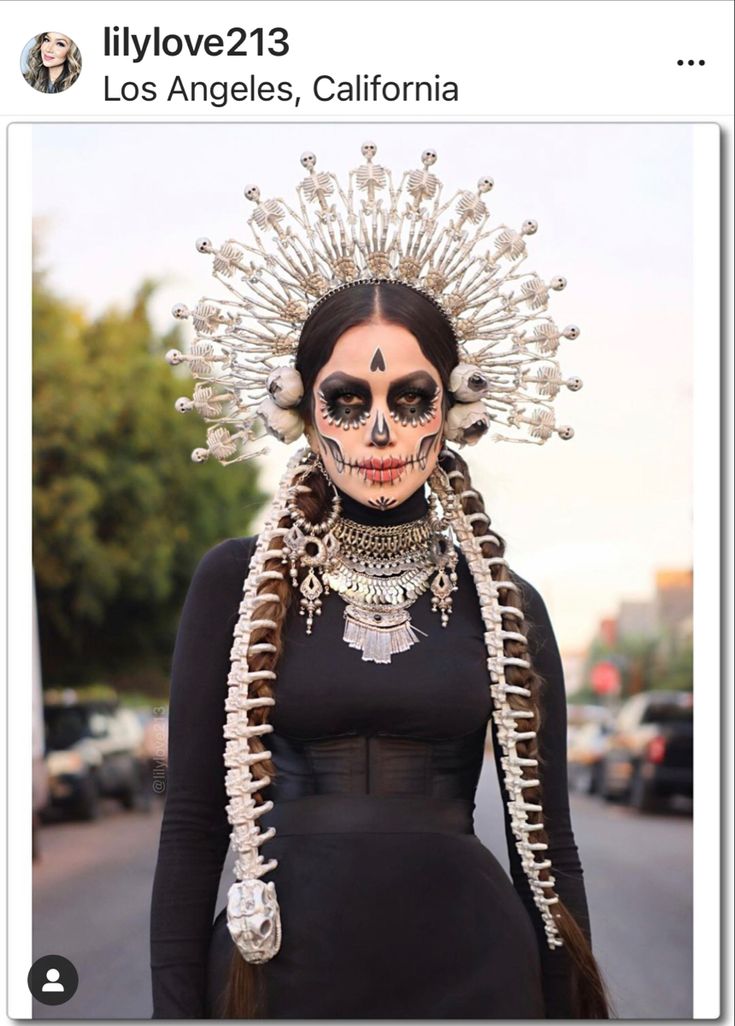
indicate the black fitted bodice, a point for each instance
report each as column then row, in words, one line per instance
column 359, row 731
column 381, row 764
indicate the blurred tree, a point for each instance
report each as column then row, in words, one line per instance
column 120, row 514
column 676, row 671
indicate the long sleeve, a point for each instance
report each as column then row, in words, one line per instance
column 195, row 832
column 566, row 866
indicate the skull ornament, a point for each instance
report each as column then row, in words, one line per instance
column 285, row 387
column 254, row 919
column 285, row 425
column 467, row 383
column 467, row 423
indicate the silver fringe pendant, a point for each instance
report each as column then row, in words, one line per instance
column 378, row 633
column 380, row 571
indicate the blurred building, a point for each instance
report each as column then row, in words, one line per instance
column 573, row 662
column 667, row 613
column 637, row 619
column 607, row 632
column 674, row 602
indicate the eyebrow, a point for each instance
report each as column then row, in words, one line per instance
column 418, row 379
column 344, row 381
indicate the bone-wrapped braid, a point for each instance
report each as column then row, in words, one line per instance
column 515, row 687
column 266, row 599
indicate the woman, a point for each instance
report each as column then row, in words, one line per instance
column 378, row 633
column 54, row 63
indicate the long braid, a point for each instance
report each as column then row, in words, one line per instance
column 589, row 990
column 245, row 996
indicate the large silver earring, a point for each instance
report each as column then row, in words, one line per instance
column 445, row 559
column 310, row 545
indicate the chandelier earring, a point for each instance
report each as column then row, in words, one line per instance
column 445, row 558
column 310, row 545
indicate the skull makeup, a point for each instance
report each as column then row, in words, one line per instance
column 378, row 414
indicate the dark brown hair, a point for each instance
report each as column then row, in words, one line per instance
column 394, row 303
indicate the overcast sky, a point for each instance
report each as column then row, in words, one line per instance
column 586, row 521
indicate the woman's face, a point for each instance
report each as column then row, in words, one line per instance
column 378, row 414
column 54, row 49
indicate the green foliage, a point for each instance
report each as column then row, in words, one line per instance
column 678, row 669
column 121, row 516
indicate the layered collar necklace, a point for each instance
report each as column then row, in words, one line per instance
column 378, row 569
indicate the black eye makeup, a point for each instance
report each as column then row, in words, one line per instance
column 412, row 400
column 345, row 401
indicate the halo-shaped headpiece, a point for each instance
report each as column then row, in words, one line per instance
column 370, row 230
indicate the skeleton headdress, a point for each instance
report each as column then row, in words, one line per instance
column 337, row 235
column 369, row 230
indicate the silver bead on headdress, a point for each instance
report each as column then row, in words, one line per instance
column 369, row 230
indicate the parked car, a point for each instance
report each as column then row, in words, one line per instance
column 649, row 753
column 92, row 751
column 587, row 747
column 580, row 714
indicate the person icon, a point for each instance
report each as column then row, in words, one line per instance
column 44, row 979
column 52, row 984
column 51, row 62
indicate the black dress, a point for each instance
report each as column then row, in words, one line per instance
column 391, row 907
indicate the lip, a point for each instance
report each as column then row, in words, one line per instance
column 47, row 57
column 383, row 470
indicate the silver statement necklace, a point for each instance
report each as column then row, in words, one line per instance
column 379, row 572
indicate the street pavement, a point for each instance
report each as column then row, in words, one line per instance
column 92, row 890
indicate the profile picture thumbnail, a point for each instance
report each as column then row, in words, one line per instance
column 51, row 62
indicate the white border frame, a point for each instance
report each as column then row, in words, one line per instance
column 706, row 532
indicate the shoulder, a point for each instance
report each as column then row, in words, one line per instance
column 541, row 636
column 529, row 598
column 542, row 643
column 532, row 601
column 228, row 555
column 224, row 567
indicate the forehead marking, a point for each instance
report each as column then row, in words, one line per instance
column 378, row 361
